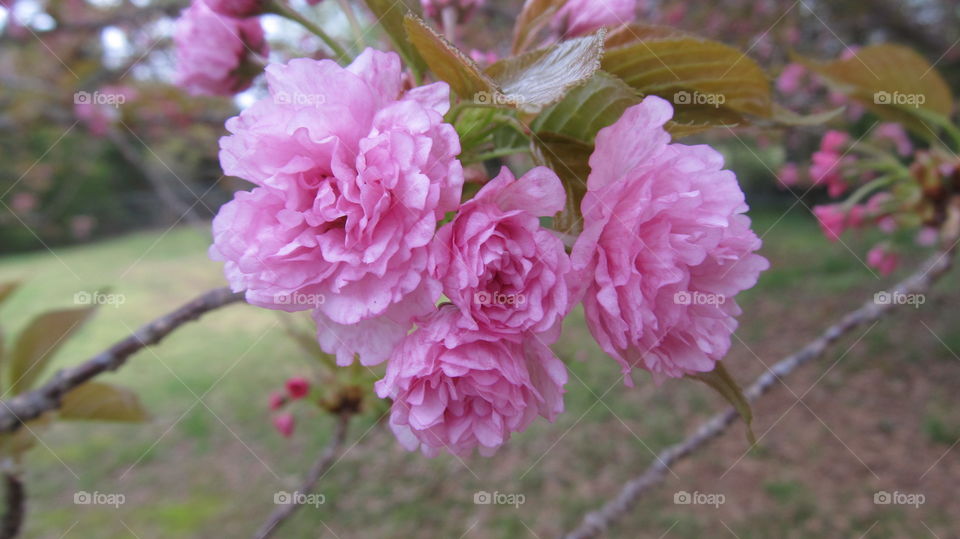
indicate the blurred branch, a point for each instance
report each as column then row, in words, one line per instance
column 597, row 522
column 319, row 468
column 15, row 506
column 32, row 404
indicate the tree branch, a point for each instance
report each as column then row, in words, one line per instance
column 319, row 468
column 597, row 522
column 32, row 404
column 15, row 502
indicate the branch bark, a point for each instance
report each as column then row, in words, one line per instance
column 319, row 468
column 15, row 506
column 597, row 522
column 32, row 404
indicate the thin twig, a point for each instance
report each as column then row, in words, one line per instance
column 15, row 506
column 597, row 522
column 320, row 467
column 32, row 404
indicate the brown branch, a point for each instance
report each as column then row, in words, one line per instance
column 16, row 507
column 32, row 404
column 319, row 468
column 597, row 522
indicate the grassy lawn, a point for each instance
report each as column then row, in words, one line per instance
column 208, row 462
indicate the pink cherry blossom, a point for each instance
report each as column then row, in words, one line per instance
column 791, row 78
column 284, row 424
column 237, row 8
column 832, row 219
column 895, row 133
column 464, row 8
column 214, row 52
column 353, row 175
column 883, row 259
column 664, row 249
column 297, row 387
column 580, row 17
column 789, row 174
column 497, row 264
column 458, row 389
column 276, row 400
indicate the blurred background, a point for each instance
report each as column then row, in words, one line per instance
column 120, row 195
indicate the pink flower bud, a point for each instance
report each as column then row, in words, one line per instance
column 284, row 424
column 298, row 387
column 277, row 400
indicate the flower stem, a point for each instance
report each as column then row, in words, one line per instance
column 281, row 8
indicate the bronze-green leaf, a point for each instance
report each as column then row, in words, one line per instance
column 724, row 384
column 588, row 108
column 39, row 341
column 102, row 402
column 892, row 81
column 448, row 62
column 569, row 158
column 786, row 116
column 390, row 15
column 708, row 82
column 536, row 79
column 535, row 16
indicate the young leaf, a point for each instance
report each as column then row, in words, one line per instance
column 390, row 15
column 724, row 384
column 39, row 341
column 447, row 62
column 708, row 82
column 535, row 16
column 588, row 108
column 102, row 402
column 542, row 77
column 892, row 81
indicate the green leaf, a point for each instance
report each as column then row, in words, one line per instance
column 534, row 17
column 446, row 61
column 102, row 402
column 724, row 384
column 588, row 108
column 786, row 116
column 892, row 81
column 709, row 83
column 39, row 341
column 390, row 15
column 6, row 289
column 536, row 79
column 569, row 158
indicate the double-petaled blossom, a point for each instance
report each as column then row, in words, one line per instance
column 579, row 17
column 457, row 389
column 214, row 53
column 505, row 272
column 665, row 247
column 352, row 176
column 237, row 8
column 883, row 259
column 828, row 161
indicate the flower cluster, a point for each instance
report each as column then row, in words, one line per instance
column 354, row 176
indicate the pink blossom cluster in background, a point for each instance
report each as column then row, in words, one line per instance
column 353, row 176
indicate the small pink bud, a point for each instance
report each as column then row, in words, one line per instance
column 284, row 424
column 298, row 387
column 277, row 400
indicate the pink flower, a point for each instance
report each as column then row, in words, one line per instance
column 284, row 424
column 665, row 247
column 895, row 133
column 832, row 220
column 276, row 400
column 464, row 8
column 580, row 17
column 297, row 387
column 883, row 259
column 789, row 174
column 791, row 78
column 828, row 162
column 353, row 176
column 483, row 57
column 236, row 8
column 927, row 236
column 214, row 52
column 457, row 389
column 497, row 264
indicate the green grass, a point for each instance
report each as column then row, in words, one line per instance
column 210, row 468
